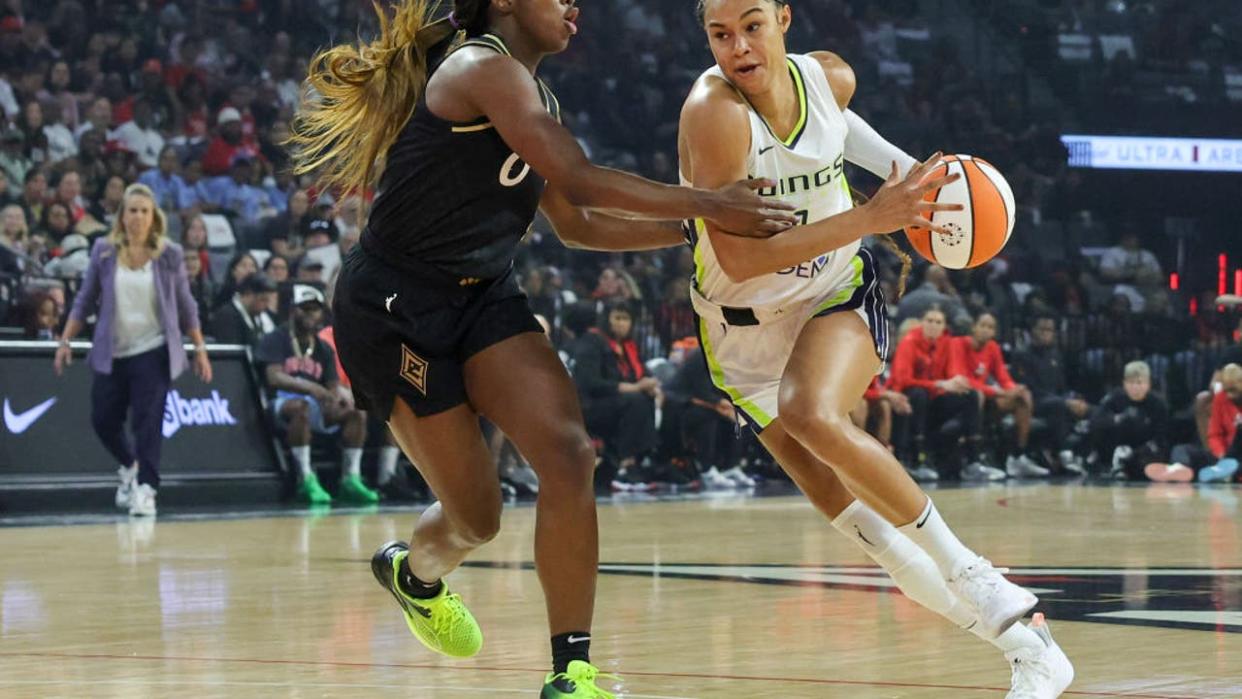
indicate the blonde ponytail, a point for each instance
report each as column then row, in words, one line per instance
column 358, row 98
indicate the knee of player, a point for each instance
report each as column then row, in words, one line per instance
column 808, row 419
column 572, row 464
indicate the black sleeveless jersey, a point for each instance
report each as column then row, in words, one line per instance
column 454, row 195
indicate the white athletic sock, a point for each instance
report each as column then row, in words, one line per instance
column 301, row 455
column 128, row 473
column 387, row 464
column 351, row 463
column 912, row 569
column 931, row 534
column 916, row 574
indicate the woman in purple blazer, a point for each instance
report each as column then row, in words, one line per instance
column 136, row 284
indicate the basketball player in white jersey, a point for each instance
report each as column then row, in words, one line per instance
column 793, row 327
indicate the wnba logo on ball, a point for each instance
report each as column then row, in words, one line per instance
column 179, row 412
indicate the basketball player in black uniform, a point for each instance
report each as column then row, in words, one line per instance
column 430, row 323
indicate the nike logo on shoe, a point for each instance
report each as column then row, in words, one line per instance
column 421, row 611
column 20, row 422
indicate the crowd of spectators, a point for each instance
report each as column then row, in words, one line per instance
column 194, row 98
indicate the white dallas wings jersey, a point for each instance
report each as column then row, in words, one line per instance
column 808, row 167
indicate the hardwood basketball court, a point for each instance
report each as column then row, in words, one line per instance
column 716, row 596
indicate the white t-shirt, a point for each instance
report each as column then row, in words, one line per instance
column 146, row 143
column 137, row 327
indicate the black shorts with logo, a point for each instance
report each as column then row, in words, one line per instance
column 407, row 334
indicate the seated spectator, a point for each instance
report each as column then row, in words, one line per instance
column 39, row 316
column 108, row 205
column 285, row 231
column 33, row 196
column 618, row 399
column 243, row 265
column 140, row 137
column 234, row 196
column 173, row 192
column 876, row 410
column 936, row 290
column 941, row 399
column 14, row 240
column 277, row 268
column 981, row 357
column 1041, row 368
column 300, row 370
column 1203, row 400
column 13, row 158
column 701, row 422
column 228, row 146
column 75, row 257
column 201, row 286
column 1135, row 271
column 56, row 224
column 1130, row 426
column 1219, row 462
column 245, row 321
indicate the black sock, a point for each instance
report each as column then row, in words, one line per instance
column 567, row 647
column 414, row 587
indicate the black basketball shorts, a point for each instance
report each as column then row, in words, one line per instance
column 406, row 334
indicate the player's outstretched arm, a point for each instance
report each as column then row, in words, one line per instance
column 592, row 230
column 502, row 89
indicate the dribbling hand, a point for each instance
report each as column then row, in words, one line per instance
column 899, row 203
column 740, row 211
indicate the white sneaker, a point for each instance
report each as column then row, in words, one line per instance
column 739, row 477
column 1023, row 467
column 1039, row 672
column 979, row 471
column 997, row 602
column 1071, row 463
column 142, row 502
column 924, row 474
column 125, row 489
column 713, row 479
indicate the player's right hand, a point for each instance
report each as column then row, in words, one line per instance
column 900, row 204
column 739, row 210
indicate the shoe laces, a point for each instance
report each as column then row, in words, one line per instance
column 449, row 615
column 981, row 576
column 584, row 676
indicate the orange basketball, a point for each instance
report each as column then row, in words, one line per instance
column 979, row 231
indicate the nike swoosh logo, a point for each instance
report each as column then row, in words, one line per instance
column 20, row 422
column 860, row 536
column 578, row 639
column 388, row 302
column 920, row 524
column 422, row 611
column 765, row 150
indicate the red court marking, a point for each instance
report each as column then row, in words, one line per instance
column 627, row 673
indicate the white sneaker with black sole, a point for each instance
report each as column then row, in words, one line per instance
column 1039, row 672
column 1023, row 467
column 125, row 489
column 142, row 502
column 997, row 602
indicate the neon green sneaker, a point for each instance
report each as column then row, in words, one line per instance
column 577, row 681
column 353, row 490
column 442, row 623
column 311, row 493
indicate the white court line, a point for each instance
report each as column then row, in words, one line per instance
column 293, row 685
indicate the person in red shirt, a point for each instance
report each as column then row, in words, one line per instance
column 1219, row 462
column 981, row 357
column 941, row 399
